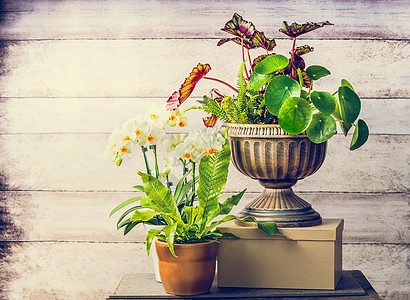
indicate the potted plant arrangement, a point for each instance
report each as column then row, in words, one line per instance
column 278, row 124
column 188, row 215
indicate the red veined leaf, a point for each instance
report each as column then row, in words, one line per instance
column 210, row 121
column 295, row 29
column 260, row 40
column 239, row 27
column 246, row 43
column 298, row 62
column 303, row 50
column 216, row 94
column 188, row 86
column 173, row 101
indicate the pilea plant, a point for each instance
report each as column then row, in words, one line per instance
column 274, row 89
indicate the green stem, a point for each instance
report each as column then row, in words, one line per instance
column 144, row 150
column 193, row 180
column 154, row 149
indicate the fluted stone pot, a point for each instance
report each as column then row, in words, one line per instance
column 277, row 160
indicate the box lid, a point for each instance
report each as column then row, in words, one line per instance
column 327, row 231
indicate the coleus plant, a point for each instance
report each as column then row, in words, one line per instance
column 275, row 89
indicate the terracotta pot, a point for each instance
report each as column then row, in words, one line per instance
column 192, row 272
column 277, row 160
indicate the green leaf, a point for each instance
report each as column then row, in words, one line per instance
column 324, row 102
column 322, row 128
column 257, row 81
column 278, row 90
column 123, row 223
column 138, row 187
column 152, row 233
column 226, row 207
column 191, row 214
column 295, row 115
column 128, row 211
column 125, row 203
column 272, row 64
column 304, row 94
column 170, row 231
column 129, row 227
column 216, row 223
column 159, row 196
column 269, row 228
column 350, row 104
column 347, row 83
column 360, row 135
column 213, row 173
column 317, row 72
column 345, row 127
column 143, row 216
column 300, row 76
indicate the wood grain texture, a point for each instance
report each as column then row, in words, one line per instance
column 40, row 215
column 75, row 162
column 158, row 19
column 73, row 270
column 156, row 68
column 95, row 115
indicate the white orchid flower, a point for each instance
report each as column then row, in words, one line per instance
column 155, row 133
column 157, row 114
column 174, row 140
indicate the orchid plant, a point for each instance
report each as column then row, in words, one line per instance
column 174, row 211
column 274, row 89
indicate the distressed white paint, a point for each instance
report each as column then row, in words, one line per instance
column 156, row 68
column 87, row 218
column 101, row 115
column 72, row 70
column 75, row 162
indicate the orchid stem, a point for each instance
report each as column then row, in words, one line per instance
column 154, row 149
column 193, row 181
column 223, row 82
column 144, row 150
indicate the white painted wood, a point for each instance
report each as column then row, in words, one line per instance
column 72, row 270
column 156, row 19
column 101, row 115
column 75, row 270
column 68, row 216
column 75, row 162
column 156, row 68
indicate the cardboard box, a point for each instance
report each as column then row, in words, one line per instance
column 307, row 258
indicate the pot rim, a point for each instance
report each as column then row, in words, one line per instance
column 186, row 245
column 259, row 131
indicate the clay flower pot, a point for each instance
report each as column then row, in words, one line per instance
column 192, row 272
column 277, row 160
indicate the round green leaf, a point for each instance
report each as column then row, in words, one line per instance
column 347, row 83
column 345, row 127
column 278, row 90
column 271, row 64
column 324, row 102
column 295, row 115
column 322, row 128
column 360, row 135
column 304, row 94
column 257, row 81
column 350, row 104
column 317, row 72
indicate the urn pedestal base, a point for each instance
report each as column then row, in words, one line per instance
column 307, row 258
column 280, row 205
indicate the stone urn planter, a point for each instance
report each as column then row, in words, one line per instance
column 192, row 271
column 277, row 160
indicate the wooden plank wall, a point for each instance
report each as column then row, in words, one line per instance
column 72, row 70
